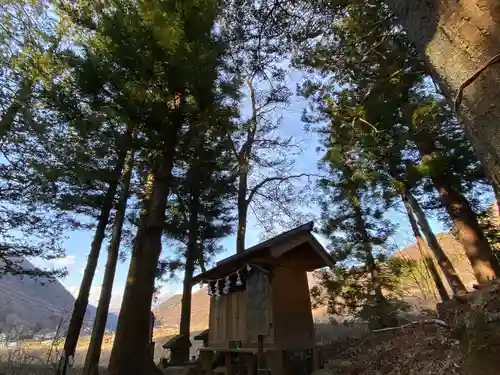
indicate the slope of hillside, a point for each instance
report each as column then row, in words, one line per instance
column 168, row 312
column 418, row 286
column 37, row 304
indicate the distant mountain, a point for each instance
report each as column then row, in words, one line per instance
column 168, row 313
column 37, row 304
column 418, row 286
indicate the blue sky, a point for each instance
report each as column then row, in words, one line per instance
column 78, row 243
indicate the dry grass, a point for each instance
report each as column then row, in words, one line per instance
column 35, row 353
column 477, row 323
column 419, row 350
column 470, row 347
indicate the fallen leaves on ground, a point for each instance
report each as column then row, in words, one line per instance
column 418, row 350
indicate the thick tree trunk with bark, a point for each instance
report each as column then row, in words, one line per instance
column 82, row 301
column 131, row 353
column 371, row 265
column 477, row 247
column 459, row 38
column 422, row 246
column 191, row 254
column 456, row 284
column 91, row 366
column 471, row 236
column 242, row 207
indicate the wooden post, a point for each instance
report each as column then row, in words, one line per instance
column 261, row 367
column 241, row 365
column 152, row 351
column 251, row 365
column 151, row 325
column 229, row 365
column 206, row 362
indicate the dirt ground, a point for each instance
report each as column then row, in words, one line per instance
column 417, row 350
column 469, row 345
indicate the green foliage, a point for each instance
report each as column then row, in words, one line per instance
column 78, row 78
column 370, row 87
column 204, row 191
column 31, row 225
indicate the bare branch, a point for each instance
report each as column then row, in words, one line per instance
column 265, row 181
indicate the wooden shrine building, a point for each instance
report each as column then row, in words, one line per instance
column 260, row 308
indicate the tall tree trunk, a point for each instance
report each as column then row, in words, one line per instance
column 91, row 366
column 422, row 246
column 458, row 38
column 82, row 301
column 371, row 265
column 244, row 164
column 456, row 284
column 242, row 208
column 191, row 254
column 471, row 236
column 381, row 314
column 130, row 354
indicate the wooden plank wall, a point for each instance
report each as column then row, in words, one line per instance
column 293, row 321
column 258, row 304
column 228, row 321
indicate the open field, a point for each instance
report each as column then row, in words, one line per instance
column 34, row 352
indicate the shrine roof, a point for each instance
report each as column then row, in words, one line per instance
column 297, row 246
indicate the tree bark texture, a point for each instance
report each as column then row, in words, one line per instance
column 242, row 208
column 456, row 284
column 243, row 156
column 471, row 236
column 91, row 366
column 422, row 246
column 371, row 265
column 458, row 38
column 191, row 254
column 130, row 354
column 82, row 301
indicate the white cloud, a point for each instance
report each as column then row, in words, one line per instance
column 63, row 262
column 168, row 290
column 116, row 299
column 95, row 293
column 73, row 289
column 54, row 263
column 82, row 271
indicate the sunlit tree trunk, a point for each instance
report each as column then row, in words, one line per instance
column 130, row 354
column 422, row 246
column 456, row 284
column 91, row 366
column 471, row 236
column 458, row 39
column 82, row 300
